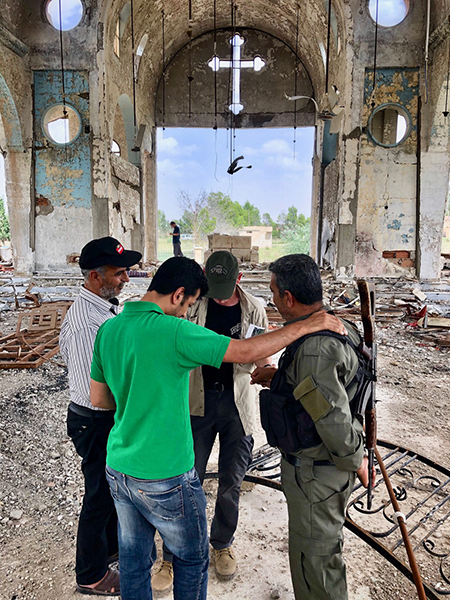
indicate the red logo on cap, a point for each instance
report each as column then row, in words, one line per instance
column 119, row 248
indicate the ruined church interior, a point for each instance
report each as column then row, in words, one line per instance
column 86, row 88
column 376, row 93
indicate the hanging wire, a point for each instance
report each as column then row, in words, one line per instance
column 164, row 73
column 445, row 113
column 63, row 78
column 134, row 69
column 230, row 75
column 327, row 68
column 190, row 76
column 375, row 57
column 215, row 70
column 296, row 77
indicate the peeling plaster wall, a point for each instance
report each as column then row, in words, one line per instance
column 387, row 182
column 62, row 173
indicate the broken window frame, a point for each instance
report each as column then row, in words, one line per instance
column 406, row 4
column 45, row 129
column 400, row 109
column 56, row 25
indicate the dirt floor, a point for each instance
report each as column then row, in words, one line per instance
column 41, row 484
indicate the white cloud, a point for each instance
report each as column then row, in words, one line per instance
column 277, row 146
column 168, row 145
column 72, row 12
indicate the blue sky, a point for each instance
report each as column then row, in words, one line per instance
column 193, row 160
column 72, row 11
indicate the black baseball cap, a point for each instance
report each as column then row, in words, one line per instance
column 107, row 251
column 222, row 271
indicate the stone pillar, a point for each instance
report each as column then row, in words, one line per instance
column 434, row 179
column 150, row 206
column 21, row 218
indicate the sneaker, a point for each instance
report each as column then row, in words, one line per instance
column 225, row 562
column 162, row 579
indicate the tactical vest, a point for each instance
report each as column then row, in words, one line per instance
column 287, row 424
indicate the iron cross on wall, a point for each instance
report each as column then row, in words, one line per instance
column 236, row 64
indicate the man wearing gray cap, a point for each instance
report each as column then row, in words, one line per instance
column 104, row 263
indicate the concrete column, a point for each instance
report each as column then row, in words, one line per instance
column 150, row 205
column 21, row 218
column 434, row 180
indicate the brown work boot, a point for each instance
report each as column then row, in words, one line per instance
column 225, row 562
column 162, row 579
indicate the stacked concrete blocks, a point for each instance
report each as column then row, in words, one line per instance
column 239, row 245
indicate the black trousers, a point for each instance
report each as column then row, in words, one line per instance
column 97, row 527
column 235, row 454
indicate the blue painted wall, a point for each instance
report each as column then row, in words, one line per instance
column 62, row 173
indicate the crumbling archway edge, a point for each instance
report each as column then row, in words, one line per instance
column 18, row 188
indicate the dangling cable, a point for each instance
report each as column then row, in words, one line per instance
column 63, row 78
column 230, row 75
column 427, row 42
column 134, row 69
column 164, row 73
column 445, row 113
column 215, row 70
column 327, row 68
column 296, row 77
column 375, row 57
column 190, row 76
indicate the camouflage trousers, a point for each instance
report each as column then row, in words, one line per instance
column 316, row 498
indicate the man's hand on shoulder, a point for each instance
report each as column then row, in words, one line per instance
column 320, row 321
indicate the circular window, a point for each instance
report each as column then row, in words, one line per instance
column 390, row 12
column 61, row 124
column 71, row 13
column 389, row 125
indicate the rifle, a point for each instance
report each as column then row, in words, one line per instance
column 367, row 297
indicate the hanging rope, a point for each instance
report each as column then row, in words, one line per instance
column 133, row 64
column 375, row 57
column 164, row 74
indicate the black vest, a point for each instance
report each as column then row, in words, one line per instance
column 287, row 424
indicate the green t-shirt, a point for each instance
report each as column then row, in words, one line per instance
column 145, row 356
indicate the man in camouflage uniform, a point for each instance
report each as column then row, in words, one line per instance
column 317, row 481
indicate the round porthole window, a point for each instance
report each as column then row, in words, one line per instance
column 390, row 12
column 61, row 124
column 71, row 13
column 389, row 125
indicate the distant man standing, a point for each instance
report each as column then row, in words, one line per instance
column 222, row 403
column 104, row 263
column 176, row 239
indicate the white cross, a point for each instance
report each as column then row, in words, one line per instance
column 236, row 64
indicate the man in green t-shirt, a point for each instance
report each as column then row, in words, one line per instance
column 141, row 365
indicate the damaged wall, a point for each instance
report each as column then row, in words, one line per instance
column 386, row 215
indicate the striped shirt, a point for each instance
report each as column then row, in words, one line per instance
column 76, row 342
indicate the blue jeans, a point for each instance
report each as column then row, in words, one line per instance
column 175, row 507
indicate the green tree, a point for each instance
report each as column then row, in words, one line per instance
column 297, row 237
column 5, row 234
column 196, row 218
column 163, row 223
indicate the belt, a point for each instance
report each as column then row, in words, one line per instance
column 83, row 411
column 295, row 461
